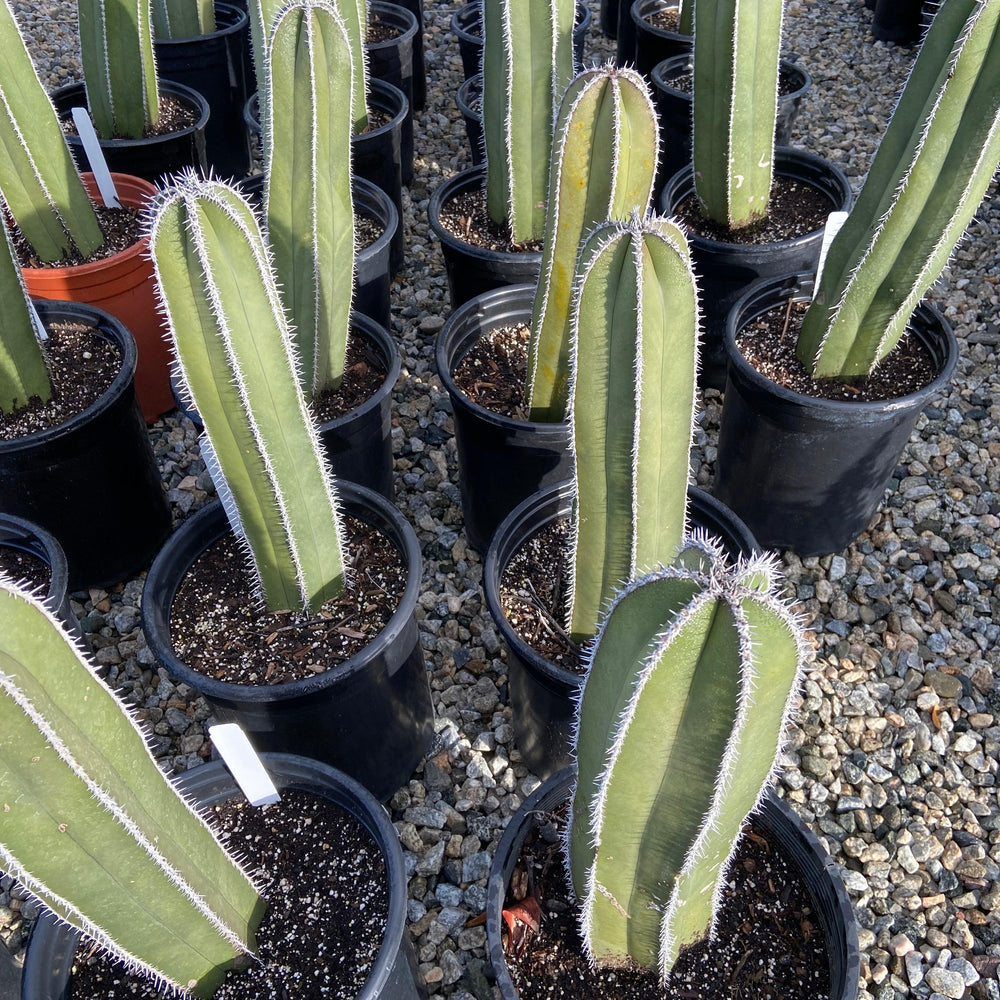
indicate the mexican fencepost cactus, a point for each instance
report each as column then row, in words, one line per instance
column 183, row 18
column 930, row 172
column 309, row 210
column 238, row 362
column 527, row 64
column 685, row 17
column 91, row 825
column 737, row 45
column 119, row 66
column 679, row 725
column 603, row 167
column 38, row 178
column 23, row 373
column 634, row 351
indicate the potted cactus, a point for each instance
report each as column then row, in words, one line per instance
column 930, row 172
column 687, row 694
column 603, row 167
column 117, row 852
column 240, row 366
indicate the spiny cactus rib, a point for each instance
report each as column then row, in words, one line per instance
column 685, row 17
column 604, row 164
column 119, row 66
column 634, row 347
column 93, row 827
column 736, row 54
column 23, row 372
column 930, row 173
column 527, row 64
column 237, row 359
column 679, row 724
column 38, row 178
column 183, row 18
column 310, row 214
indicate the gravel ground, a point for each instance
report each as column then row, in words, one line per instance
column 894, row 754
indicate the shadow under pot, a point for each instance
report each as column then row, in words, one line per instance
column 369, row 715
column 32, row 555
column 53, row 945
column 473, row 269
column 358, row 444
column 543, row 694
column 652, row 43
column 501, row 460
column 808, row 474
column 674, row 110
column 818, row 875
column 150, row 158
column 727, row 270
column 91, row 480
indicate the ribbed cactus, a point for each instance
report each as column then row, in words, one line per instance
column 527, row 64
column 930, row 173
column 685, row 17
column 183, row 18
column 91, row 825
column 119, row 67
column 634, row 346
column 23, row 373
column 603, row 166
column 679, row 724
column 237, row 359
column 737, row 46
column 38, row 178
column 310, row 214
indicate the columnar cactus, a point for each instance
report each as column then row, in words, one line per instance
column 634, row 348
column 603, row 167
column 237, row 359
column 685, row 17
column 91, row 825
column 930, row 173
column 183, row 18
column 527, row 64
column 310, row 215
column 736, row 52
column 119, row 67
column 679, row 724
column 38, row 178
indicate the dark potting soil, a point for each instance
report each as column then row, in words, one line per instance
column 175, row 116
column 466, row 218
column 364, row 375
column 324, row 881
column 494, row 371
column 795, row 209
column 768, row 344
column 218, row 628
column 379, row 30
column 768, row 943
column 81, row 367
column 121, row 228
column 665, row 20
column 788, row 83
column 24, row 568
column 366, row 231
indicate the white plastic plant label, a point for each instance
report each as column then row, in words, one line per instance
column 95, row 155
column 834, row 222
column 244, row 764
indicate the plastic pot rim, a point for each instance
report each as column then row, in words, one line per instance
column 48, row 550
column 231, row 11
column 405, row 33
column 667, row 69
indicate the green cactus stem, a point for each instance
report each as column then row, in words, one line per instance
column 603, row 167
column 91, row 825
column 681, row 719
column 930, row 173
column 527, row 64
column 38, row 178
column 634, row 347
column 239, row 364
column 119, row 67
column 685, row 17
column 737, row 46
column 310, row 214
column 183, row 18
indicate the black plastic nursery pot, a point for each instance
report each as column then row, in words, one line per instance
column 215, row 65
column 775, row 820
column 726, row 270
column 542, row 694
column 501, row 461
column 471, row 269
column 416, row 7
column 653, row 44
column 91, row 481
column 470, row 105
column 150, row 158
column 608, row 18
column 52, row 945
column 808, row 474
column 22, row 536
column 370, row 715
column 899, row 21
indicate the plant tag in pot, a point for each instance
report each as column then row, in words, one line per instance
column 834, row 222
column 244, row 764
column 95, row 156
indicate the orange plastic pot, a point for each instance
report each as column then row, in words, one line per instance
column 122, row 285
